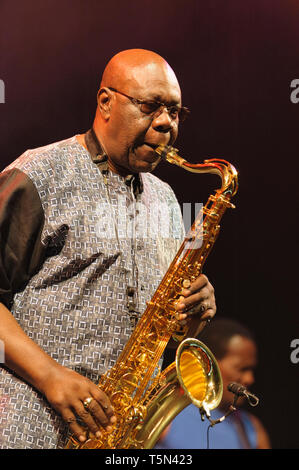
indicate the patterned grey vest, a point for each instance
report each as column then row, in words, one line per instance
column 103, row 243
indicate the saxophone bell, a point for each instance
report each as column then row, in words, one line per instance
column 194, row 377
column 199, row 375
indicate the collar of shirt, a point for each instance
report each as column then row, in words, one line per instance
column 101, row 160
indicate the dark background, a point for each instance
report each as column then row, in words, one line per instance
column 235, row 61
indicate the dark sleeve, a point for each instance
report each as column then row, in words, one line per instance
column 21, row 224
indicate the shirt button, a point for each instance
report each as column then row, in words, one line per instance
column 130, row 291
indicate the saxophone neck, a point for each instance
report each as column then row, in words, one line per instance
column 222, row 168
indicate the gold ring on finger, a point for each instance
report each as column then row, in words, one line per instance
column 87, row 402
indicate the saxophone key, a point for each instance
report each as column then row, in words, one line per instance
column 186, row 283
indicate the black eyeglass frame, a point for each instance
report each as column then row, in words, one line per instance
column 182, row 111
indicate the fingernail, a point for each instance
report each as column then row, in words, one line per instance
column 180, row 306
column 109, row 428
column 98, row 434
column 82, row 438
column 186, row 292
column 113, row 419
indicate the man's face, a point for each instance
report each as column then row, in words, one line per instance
column 131, row 132
column 237, row 366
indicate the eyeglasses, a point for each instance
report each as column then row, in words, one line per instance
column 155, row 108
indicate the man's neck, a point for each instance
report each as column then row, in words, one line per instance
column 114, row 168
column 118, row 169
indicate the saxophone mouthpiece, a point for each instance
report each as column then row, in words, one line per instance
column 170, row 154
column 162, row 151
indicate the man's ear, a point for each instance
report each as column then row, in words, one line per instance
column 105, row 102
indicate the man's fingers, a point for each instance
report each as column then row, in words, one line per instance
column 92, row 415
column 98, row 413
column 197, row 299
column 208, row 314
column 75, row 428
column 81, row 403
column 104, row 405
column 198, row 284
column 86, row 417
column 186, row 303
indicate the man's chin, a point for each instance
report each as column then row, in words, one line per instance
column 146, row 167
column 143, row 160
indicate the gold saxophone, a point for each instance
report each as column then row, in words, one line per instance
column 145, row 406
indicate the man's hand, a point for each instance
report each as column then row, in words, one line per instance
column 66, row 391
column 198, row 301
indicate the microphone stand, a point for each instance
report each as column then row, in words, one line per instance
column 252, row 400
column 230, row 410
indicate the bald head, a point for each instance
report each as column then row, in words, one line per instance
column 126, row 131
column 135, row 69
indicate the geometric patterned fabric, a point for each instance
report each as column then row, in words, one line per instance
column 100, row 239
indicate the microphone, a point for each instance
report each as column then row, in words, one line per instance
column 241, row 391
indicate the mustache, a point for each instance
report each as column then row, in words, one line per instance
column 153, row 141
column 149, row 144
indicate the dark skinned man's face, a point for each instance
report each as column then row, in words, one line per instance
column 238, row 366
column 132, row 132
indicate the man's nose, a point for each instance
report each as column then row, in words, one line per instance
column 163, row 122
column 248, row 378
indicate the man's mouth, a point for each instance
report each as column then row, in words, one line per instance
column 153, row 146
column 150, row 144
column 146, row 152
